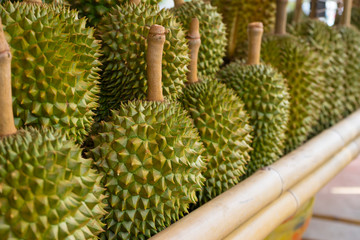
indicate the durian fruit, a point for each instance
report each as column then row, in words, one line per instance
column 351, row 37
column 55, row 67
column 212, row 30
column 151, row 158
column 355, row 17
column 327, row 43
column 300, row 66
column 238, row 14
column 222, row 122
column 265, row 95
column 48, row 191
column 123, row 33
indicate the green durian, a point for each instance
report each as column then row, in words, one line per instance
column 151, row 158
column 55, row 67
column 212, row 31
column 47, row 190
column 327, row 43
column 301, row 66
column 123, row 33
column 355, row 17
column 238, row 14
column 222, row 122
column 265, row 95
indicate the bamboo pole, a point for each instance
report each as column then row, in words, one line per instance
column 7, row 125
column 156, row 40
column 277, row 212
column 297, row 12
column 255, row 32
column 194, row 46
column 346, row 16
column 281, row 15
column 222, row 215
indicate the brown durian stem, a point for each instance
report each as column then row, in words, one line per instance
column 298, row 11
column 178, row 3
column 155, row 40
column 280, row 27
column 34, row 1
column 346, row 16
column 313, row 12
column 7, row 125
column 194, row 46
column 233, row 36
column 136, row 2
column 255, row 32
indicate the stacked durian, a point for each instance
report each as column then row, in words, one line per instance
column 55, row 67
column 222, row 122
column 150, row 155
column 48, row 191
column 265, row 95
column 299, row 65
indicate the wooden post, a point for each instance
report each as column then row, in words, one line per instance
column 280, row 26
column 255, row 32
column 194, row 46
column 155, row 40
column 7, row 125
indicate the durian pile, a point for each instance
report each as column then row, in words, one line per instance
column 117, row 118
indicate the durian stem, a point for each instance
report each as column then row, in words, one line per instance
column 155, row 40
column 7, row 125
column 346, row 16
column 233, row 36
column 194, row 46
column 313, row 12
column 178, row 3
column 136, row 2
column 255, row 32
column 280, row 27
column 34, row 1
column 298, row 11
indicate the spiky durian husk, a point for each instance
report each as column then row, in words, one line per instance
column 238, row 14
column 351, row 38
column 150, row 154
column 48, row 191
column 54, row 67
column 212, row 31
column 222, row 122
column 95, row 10
column 300, row 66
column 123, row 33
column 355, row 17
column 327, row 42
column 265, row 95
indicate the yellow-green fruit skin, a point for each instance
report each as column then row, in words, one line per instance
column 212, row 31
column 123, row 34
column 48, row 191
column 351, row 37
column 151, row 158
column 265, row 95
column 54, row 67
column 222, row 122
column 300, row 67
column 327, row 43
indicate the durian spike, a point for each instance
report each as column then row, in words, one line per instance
column 136, row 2
column 7, row 125
column 298, row 10
column 280, row 27
column 313, row 12
column 194, row 46
column 255, row 32
column 346, row 16
column 34, row 1
column 155, row 40
column 178, row 3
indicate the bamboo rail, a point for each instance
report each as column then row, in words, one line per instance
column 247, row 202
